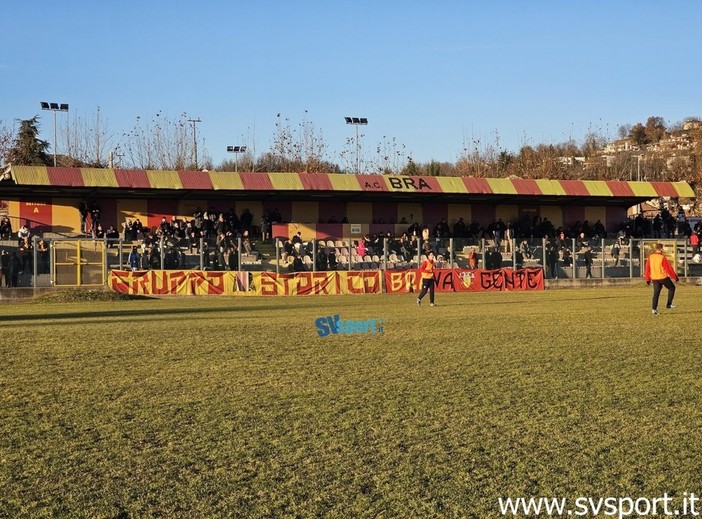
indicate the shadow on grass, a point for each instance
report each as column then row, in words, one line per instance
column 145, row 313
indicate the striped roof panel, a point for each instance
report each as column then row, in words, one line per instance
column 96, row 177
column 132, row 178
column 195, row 180
column 69, row 177
column 244, row 181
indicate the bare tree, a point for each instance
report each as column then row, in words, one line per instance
column 302, row 150
column 7, row 137
column 162, row 143
column 89, row 142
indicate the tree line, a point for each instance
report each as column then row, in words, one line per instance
column 168, row 143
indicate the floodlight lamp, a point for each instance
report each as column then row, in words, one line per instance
column 54, row 106
column 364, row 120
column 45, row 105
column 64, row 107
column 230, row 149
column 243, row 149
column 348, row 119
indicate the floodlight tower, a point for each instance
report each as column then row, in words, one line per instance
column 357, row 121
column 54, row 107
column 236, row 150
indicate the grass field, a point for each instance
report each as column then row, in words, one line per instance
column 234, row 407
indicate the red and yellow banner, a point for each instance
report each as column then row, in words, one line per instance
column 316, row 283
column 203, row 283
column 457, row 280
column 179, row 282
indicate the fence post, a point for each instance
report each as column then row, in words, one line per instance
column 238, row 252
column 543, row 256
column 574, row 257
column 202, row 253
column 34, row 260
column 314, row 255
column 277, row 256
column 631, row 258
column 451, row 253
column 602, row 248
column 685, row 256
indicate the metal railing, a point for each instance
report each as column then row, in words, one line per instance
column 86, row 261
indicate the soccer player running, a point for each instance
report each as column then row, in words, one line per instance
column 427, row 272
column 659, row 271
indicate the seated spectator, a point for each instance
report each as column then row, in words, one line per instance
column 178, row 233
column 297, row 264
column 322, row 260
column 22, row 234
column 332, row 260
column 472, row 259
column 246, row 243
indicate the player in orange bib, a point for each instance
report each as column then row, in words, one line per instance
column 426, row 270
column 659, row 271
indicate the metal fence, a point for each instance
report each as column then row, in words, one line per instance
column 86, row 262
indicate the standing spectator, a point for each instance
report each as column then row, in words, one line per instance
column 4, row 268
column 426, row 270
column 5, row 228
column 459, row 228
column 127, row 226
column 134, row 259
column 616, row 249
column 26, row 250
column 552, row 259
column 659, row 271
column 137, row 229
column 265, row 228
column 13, row 270
column 695, row 242
column 588, row 261
column 43, row 256
column 83, row 211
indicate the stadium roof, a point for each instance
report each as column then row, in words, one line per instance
column 93, row 182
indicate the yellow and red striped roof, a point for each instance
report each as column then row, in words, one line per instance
column 246, row 181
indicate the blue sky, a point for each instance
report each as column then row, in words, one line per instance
column 431, row 75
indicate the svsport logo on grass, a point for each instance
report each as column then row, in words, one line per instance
column 333, row 325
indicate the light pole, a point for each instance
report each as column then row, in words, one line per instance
column 54, row 107
column 357, row 121
column 236, row 150
column 194, row 122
